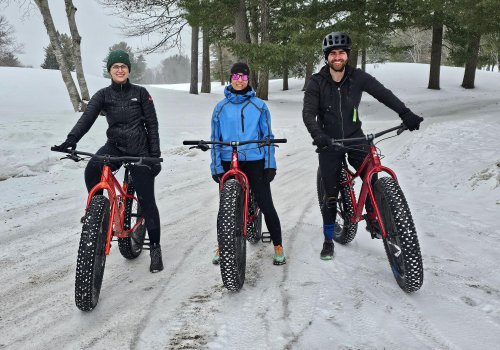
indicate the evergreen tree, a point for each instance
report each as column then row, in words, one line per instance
column 50, row 61
column 8, row 45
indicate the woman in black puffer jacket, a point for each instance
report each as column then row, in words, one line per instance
column 132, row 131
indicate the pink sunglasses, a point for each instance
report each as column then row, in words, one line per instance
column 236, row 76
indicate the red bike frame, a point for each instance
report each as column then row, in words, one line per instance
column 371, row 165
column 242, row 178
column 117, row 214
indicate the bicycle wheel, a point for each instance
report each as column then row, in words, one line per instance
column 254, row 228
column 91, row 258
column 401, row 245
column 345, row 230
column 232, row 245
column 131, row 246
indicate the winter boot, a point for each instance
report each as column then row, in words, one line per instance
column 327, row 251
column 156, row 262
column 279, row 256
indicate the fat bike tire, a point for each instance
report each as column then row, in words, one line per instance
column 254, row 228
column 91, row 257
column 232, row 244
column 401, row 245
column 131, row 246
column 345, row 230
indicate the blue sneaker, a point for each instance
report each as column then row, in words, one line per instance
column 216, row 258
column 279, row 256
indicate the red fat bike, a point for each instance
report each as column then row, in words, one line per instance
column 390, row 208
column 117, row 215
column 239, row 218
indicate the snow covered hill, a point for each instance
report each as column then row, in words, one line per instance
column 449, row 170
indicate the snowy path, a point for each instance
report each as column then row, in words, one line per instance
column 449, row 172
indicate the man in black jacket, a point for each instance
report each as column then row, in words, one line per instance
column 331, row 103
column 132, row 131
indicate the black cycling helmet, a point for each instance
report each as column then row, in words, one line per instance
column 336, row 40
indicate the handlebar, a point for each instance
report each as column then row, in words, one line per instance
column 233, row 143
column 370, row 137
column 73, row 154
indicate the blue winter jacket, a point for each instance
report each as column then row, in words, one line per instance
column 241, row 118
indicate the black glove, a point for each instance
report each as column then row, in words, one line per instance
column 322, row 141
column 69, row 143
column 269, row 174
column 217, row 177
column 411, row 120
column 155, row 169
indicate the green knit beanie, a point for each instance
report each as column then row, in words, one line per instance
column 118, row 56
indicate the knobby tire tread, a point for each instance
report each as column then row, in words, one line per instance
column 232, row 245
column 131, row 248
column 91, row 258
column 398, row 222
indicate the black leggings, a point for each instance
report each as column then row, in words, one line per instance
column 143, row 181
column 254, row 170
column 330, row 164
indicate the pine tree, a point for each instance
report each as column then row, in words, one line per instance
column 50, row 61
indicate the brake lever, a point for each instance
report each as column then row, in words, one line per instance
column 401, row 129
column 72, row 157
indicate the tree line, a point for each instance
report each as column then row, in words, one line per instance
column 283, row 37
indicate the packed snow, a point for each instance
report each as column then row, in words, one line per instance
column 449, row 171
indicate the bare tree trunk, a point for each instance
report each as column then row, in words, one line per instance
column 193, row 89
column 254, row 38
column 436, row 49
column 77, row 55
column 285, row 78
column 43, row 6
column 353, row 57
column 471, row 65
column 263, row 89
column 363, row 59
column 220, row 57
column 309, row 73
column 241, row 31
column 205, row 65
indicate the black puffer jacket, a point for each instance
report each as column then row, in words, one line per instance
column 332, row 108
column 131, row 116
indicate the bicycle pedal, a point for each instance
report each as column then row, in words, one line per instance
column 146, row 245
column 266, row 237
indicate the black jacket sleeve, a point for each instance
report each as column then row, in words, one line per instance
column 151, row 123
column 310, row 109
column 382, row 94
column 88, row 117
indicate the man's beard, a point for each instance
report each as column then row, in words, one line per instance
column 341, row 69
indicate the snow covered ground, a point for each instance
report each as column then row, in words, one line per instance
column 449, row 170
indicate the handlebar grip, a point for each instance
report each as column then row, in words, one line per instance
column 54, row 148
column 279, row 140
column 187, row 142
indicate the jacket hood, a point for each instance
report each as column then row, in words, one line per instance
column 236, row 98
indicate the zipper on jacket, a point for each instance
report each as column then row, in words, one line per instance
column 340, row 107
column 242, row 121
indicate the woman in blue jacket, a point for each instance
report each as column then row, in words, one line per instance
column 242, row 116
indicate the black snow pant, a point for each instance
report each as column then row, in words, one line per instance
column 261, row 189
column 143, row 182
column 330, row 164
